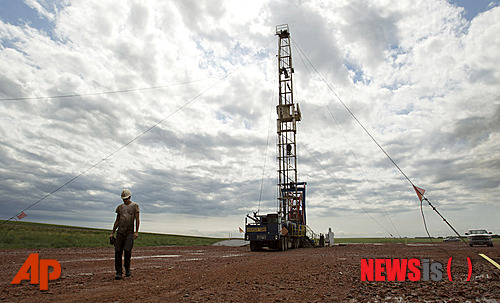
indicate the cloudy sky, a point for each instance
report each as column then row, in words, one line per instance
column 175, row 100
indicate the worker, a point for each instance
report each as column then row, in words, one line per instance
column 126, row 214
column 331, row 235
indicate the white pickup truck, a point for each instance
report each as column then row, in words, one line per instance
column 479, row 237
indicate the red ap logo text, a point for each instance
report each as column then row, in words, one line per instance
column 37, row 270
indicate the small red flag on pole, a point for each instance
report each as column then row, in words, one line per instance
column 241, row 230
column 420, row 192
column 21, row 215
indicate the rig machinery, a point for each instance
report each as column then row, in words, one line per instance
column 287, row 227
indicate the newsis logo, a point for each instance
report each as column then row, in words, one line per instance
column 407, row 269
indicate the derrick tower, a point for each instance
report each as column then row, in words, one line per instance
column 290, row 204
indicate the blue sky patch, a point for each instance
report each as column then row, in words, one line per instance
column 475, row 7
column 18, row 13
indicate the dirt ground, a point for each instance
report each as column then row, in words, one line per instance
column 234, row 274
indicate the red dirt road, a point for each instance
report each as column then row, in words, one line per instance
column 234, row 274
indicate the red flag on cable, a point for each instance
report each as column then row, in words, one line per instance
column 420, row 192
column 21, row 215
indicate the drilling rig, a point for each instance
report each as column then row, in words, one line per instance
column 287, row 227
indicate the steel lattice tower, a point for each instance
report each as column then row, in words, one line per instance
column 289, row 200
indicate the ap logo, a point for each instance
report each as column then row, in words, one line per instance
column 39, row 273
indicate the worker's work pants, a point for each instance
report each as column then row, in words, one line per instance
column 123, row 243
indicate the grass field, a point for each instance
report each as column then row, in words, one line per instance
column 38, row 235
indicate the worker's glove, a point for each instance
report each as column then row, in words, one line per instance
column 112, row 240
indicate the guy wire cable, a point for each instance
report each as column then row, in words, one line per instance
column 344, row 190
column 349, row 146
column 369, row 134
column 267, row 144
column 137, row 137
column 354, row 117
column 427, row 230
column 119, row 149
column 103, row 93
column 422, row 197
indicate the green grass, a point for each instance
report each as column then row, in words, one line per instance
column 38, row 235
column 394, row 240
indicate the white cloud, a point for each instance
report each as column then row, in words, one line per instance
column 420, row 77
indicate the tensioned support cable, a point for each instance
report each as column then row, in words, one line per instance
column 442, row 217
column 419, row 191
column 354, row 117
column 345, row 191
column 266, row 151
column 129, row 142
column 350, row 148
column 117, row 150
column 101, row 93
